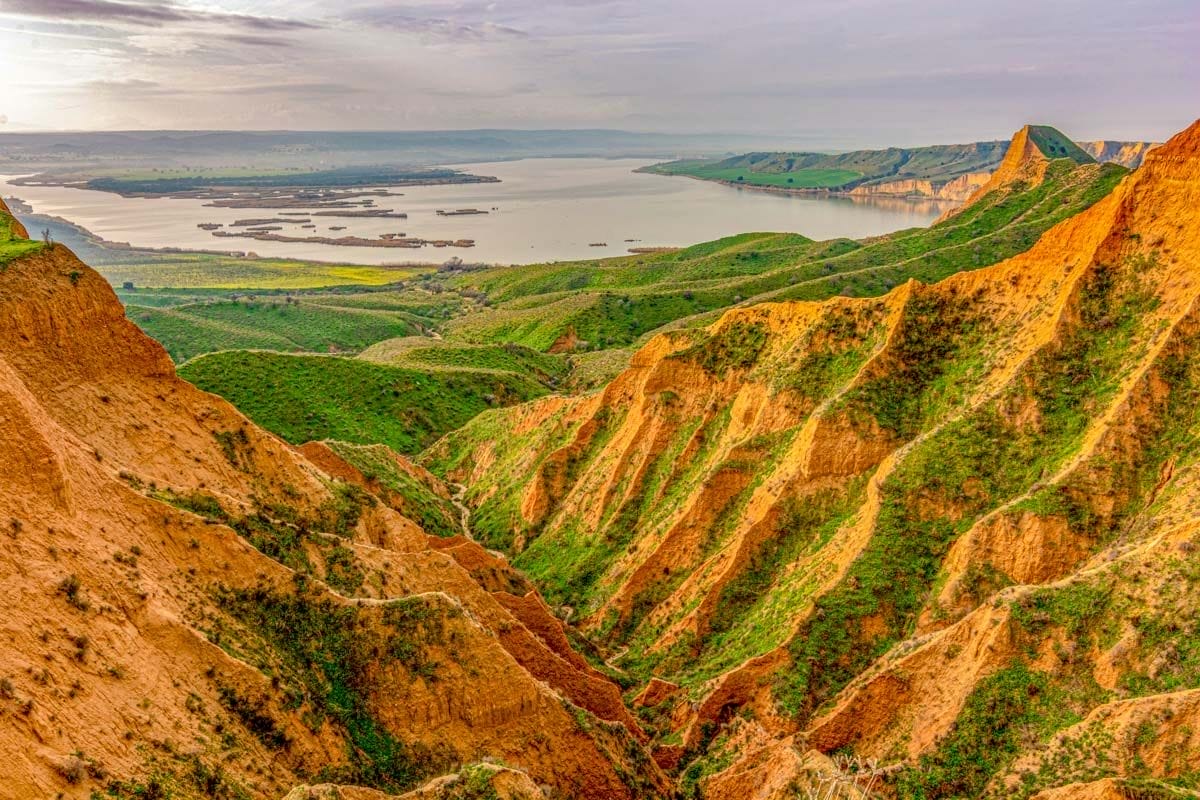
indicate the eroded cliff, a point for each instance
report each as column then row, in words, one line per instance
column 196, row 609
column 945, row 530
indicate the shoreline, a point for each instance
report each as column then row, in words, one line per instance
column 95, row 240
column 608, row 213
column 219, row 191
column 808, row 192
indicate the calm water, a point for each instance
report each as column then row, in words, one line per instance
column 548, row 209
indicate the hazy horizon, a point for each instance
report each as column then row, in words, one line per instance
column 861, row 73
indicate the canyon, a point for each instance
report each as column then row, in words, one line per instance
column 935, row 540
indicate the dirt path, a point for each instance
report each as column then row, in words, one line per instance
column 464, row 513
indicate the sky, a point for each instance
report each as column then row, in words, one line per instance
column 866, row 72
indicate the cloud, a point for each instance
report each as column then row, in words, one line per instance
column 948, row 71
column 394, row 19
column 143, row 14
column 294, row 89
column 127, row 85
column 252, row 40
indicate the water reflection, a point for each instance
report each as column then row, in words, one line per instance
column 545, row 210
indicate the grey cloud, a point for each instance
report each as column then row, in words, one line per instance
column 145, row 14
column 389, row 19
column 409, row 20
column 252, row 40
column 147, row 88
column 527, row 88
column 295, row 89
column 129, row 85
column 883, row 71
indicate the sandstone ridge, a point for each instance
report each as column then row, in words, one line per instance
column 196, row 609
column 862, row 525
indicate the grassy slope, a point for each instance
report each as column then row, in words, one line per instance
column 970, row 454
column 614, row 302
column 844, row 170
column 410, row 495
column 421, row 352
column 11, row 245
column 1055, row 145
column 190, row 330
column 305, row 398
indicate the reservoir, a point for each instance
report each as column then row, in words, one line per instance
column 547, row 209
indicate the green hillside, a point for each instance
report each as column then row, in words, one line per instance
column 807, row 178
column 614, row 302
column 413, row 497
column 447, row 345
column 276, row 324
column 11, row 245
column 423, row 352
column 843, row 171
column 1054, row 144
column 307, row 398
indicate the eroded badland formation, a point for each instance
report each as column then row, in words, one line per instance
column 950, row 531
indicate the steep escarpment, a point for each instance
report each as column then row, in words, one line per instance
column 957, row 189
column 196, row 609
column 1127, row 154
column 1029, row 155
column 614, row 302
column 947, row 172
column 944, row 530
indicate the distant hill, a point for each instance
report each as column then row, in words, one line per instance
column 1127, row 154
column 121, row 150
column 949, row 172
column 1027, row 159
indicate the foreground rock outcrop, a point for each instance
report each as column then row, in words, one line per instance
column 195, row 609
column 946, row 531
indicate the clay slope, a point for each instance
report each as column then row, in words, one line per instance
column 957, row 189
column 195, row 609
column 1127, row 154
column 935, row 529
column 1026, row 160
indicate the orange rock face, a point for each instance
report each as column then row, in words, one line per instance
column 151, row 528
column 936, row 543
column 849, row 521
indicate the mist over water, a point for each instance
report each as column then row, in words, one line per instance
column 546, row 210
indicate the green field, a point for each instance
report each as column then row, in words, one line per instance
column 205, row 271
column 196, row 270
column 799, row 179
column 307, row 398
column 171, row 181
column 275, row 323
column 421, row 352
